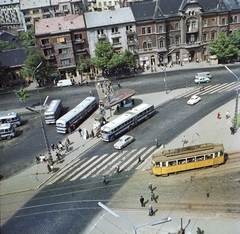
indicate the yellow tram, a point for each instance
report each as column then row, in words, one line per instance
column 187, row 158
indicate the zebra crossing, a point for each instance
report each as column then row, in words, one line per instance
column 210, row 89
column 105, row 164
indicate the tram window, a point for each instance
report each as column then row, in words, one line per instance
column 181, row 161
column 199, row 158
column 190, row 160
column 208, row 156
column 163, row 164
column 157, row 164
column 221, row 153
column 172, row 163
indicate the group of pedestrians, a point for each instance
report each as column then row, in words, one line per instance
column 153, row 198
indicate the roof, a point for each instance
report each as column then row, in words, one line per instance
column 59, row 24
column 13, row 58
column 109, row 17
column 26, row 4
column 6, row 36
column 9, row 2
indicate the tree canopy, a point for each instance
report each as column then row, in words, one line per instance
column 4, row 45
column 107, row 59
column 22, row 94
column 28, row 37
column 226, row 47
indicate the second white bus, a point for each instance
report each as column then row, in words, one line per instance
column 53, row 111
column 70, row 120
column 127, row 121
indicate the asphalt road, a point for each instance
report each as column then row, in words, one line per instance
column 19, row 153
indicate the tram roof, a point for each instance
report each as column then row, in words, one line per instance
column 186, row 152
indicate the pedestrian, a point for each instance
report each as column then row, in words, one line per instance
column 58, row 157
column 86, row 82
column 227, row 114
column 117, row 169
column 37, row 159
column 218, row 115
column 52, row 146
column 142, row 201
column 117, row 108
column 199, row 231
column 49, row 167
column 139, row 160
column 60, row 145
column 57, row 147
column 80, row 132
column 104, row 180
column 68, row 141
column 98, row 84
column 66, row 147
column 153, row 198
column 156, row 142
column 119, row 85
column 150, row 187
column 92, row 133
column 184, row 141
column 151, row 213
column 232, row 130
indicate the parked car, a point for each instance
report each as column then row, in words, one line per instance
column 123, row 141
column 193, row 100
column 200, row 80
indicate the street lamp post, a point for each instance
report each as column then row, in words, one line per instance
column 236, row 105
column 40, row 114
column 165, row 73
column 168, row 219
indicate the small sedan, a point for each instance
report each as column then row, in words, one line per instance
column 200, row 80
column 123, row 141
column 193, row 100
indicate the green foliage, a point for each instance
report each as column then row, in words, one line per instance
column 225, row 47
column 83, row 63
column 107, row 59
column 22, row 94
column 4, row 45
column 28, row 37
column 238, row 120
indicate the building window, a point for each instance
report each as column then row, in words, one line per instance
column 235, row 19
column 47, row 52
column 105, row 4
column 143, row 31
column 213, row 21
column 65, row 61
column 193, row 25
column 65, row 7
column 192, row 38
column 45, row 41
column 63, row 51
column 110, row 3
column 61, row 40
column 161, row 43
column 212, row 36
column 160, row 28
column 100, row 31
column 223, row 21
column 204, row 23
column 114, row 30
column 78, row 36
column 176, row 26
column 149, row 45
column 55, row 8
column 129, row 27
column 35, row 12
column 145, row 45
column 79, row 47
column 204, row 36
column 115, row 40
column 177, row 40
column 149, row 30
column 99, row 4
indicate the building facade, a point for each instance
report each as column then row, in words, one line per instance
column 61, row 41
column 177, row 32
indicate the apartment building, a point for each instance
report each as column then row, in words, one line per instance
column 61, row 41
column 117, row 26
column 10, row 14
column 180, row 31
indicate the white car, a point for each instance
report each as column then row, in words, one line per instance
column 193, row 100
column 123, row 141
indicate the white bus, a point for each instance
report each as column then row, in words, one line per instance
column 70, row 120
column 127, row 121
column 53, row 111
column 7, row 131
column 12, row 118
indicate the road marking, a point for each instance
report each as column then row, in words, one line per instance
column 88, row 162
column 145, row 157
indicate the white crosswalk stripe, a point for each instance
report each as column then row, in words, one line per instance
column 104, row 165
column 210, row 89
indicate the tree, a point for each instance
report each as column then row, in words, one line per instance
column 22, row 94
column 4, row 45
column 223, row 47
column 83, row 63
column 234, row 39
column 28, row 37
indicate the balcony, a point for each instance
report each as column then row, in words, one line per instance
column 117, row 44
column 191, row 45
column 130, row 32
column 77, row 41
column 102, row 36
column 47, row 45
column 49, row 57
column 66, row 66
column 192, row 30
column 81, row 51
column 115, row 35
column 131, row 42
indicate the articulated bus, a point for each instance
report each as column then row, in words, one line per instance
column 187, row 158
column 53, row 111
column 70, row 120
column 126, row 121
column 12, row 118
